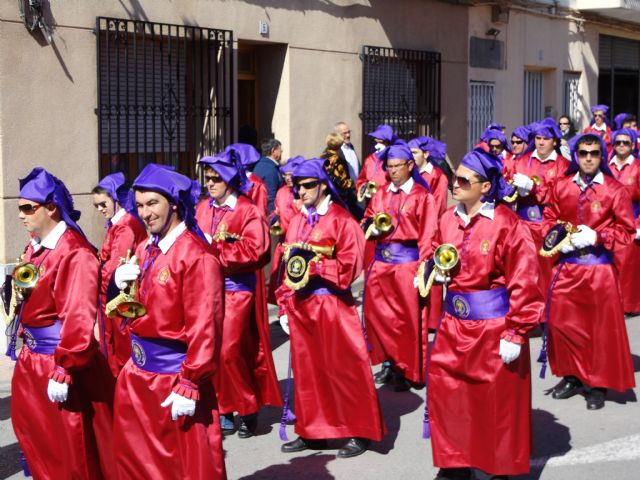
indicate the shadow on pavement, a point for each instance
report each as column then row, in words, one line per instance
column 550, row 439
column 309, row 467
column 395, row 405
column 278, row 337
column 621, row 397
column 5, row 408
column 9, row 460
column 636, row 362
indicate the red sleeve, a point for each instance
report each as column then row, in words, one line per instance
column 621, row 230
column 123, row 239
column 203, row 314
column 427, row 225
column 519, row 258
column 76, row 297
column 248, row 253
column 440, row 193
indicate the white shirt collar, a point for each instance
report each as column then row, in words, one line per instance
column 118, row 216
column 321, row 209
column 599, row 178
column 628, row 161
column 602, row 128
column 51, row 240
column 405, row 187
column 274, row 161
column 551, row 158
column 487, row 209
column 231, row 202
column 427, row 167
column 170, row 238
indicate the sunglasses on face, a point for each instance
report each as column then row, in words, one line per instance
column 622, row 142
column 463, row 182
column 599, row 115
column 494, row 146
column 28, row 209
column 396, row 166
column 100, row 205
column 212, row 179
column 309, row 185
column 517, row 142
column 586, row 153
column 564, row 123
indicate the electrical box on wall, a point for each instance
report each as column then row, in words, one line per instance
column 263, row 29
column 499, row 14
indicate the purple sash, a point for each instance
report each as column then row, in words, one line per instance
column 240, row 282
column 158, row 355
column 317, row 287
column 483, row 305
column 636, row 209
column 396, row 253
column 588, row 256
column 43, row 340
column 530, row 213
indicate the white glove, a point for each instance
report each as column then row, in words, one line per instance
column 416, row 282
column 509, row 351
column 567, row 248
column 637, row 233
column 284, row 323
column 127, row 272
column 57, row 392
column 208, row 237
column 180, row 405
column 442, row 278
column 584, row 237
column 374, row 231
column 523, row 183
column 378, row 147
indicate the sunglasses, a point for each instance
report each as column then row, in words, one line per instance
column 586, row 153
column 100, row 205
column 495, row 146
column 517, row 142
column 622, row 142
column 309, row 185
column 564, row 123
column 212, row 179
column 598, row 115
column 28, row 209
column 463, row 182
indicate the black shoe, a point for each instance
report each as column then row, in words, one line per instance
column 248, row 425
column 567, row 388
column 406, row 385
column 354, row 447
column 384, row 375
column 300, row 444
column 595, row 398
column 454, row 474
column 500, row 477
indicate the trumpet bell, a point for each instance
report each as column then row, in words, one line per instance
column 446, row 257
column 372, row 188
column 131, row 309
column 25, row 275
column 383, row 222
column 276, row 230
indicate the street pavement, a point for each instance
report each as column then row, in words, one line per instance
column 571, row 443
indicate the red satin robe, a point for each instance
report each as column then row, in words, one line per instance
column 124, row 236
column 71, row 439
column 248, row 379
column 182, row 292
column 259, row 193
column 606, row 137
column 627, row 257
column 372, row 171
column 547, row 172
column 392, row 309
column 334, row 392
column 587, row 334
column 480, row 407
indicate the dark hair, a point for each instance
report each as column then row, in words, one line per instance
column 589, row 139
column 481, row 178
column 630, row 118
column 97, row 190
column 269, row 145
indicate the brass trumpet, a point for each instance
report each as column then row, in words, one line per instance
column 367, row 190
column 514, row 196
column 446, row 257
column 383, row 222
column 24, row 278
column 125, row 304
column 324, row 250
column 276, row 229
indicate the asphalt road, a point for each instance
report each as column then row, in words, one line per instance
column 571, row 443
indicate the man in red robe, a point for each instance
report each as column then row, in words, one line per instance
column 587, row 337
column 479, row 383
column 62, row 389
column 599, row 126
column 166, row 421
column 626, row 169
column 326, row 332
column 534, row 174
column 240, row 239
column 372, row 170
column 125, row 231
column 248, row 156
column 392, row 309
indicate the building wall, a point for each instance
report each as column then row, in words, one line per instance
column 48, row 93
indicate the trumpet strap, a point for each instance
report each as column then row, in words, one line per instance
column 483, row 305
column 43, row 340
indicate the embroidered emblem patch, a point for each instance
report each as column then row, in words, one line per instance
column 296, row 266
column 484, row 246
column 532, row 213
column 630, row 180
column 461, row 306
column 28, row 339
column 163, row 276
column 551, row 173
column 551, row 239
column 138, row 353
column 595, row 206
column 316, row 235
column 41, row 270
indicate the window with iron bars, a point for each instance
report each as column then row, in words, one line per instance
column 402, row 89
column 164, row 94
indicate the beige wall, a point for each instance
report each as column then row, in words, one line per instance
column 48, row 93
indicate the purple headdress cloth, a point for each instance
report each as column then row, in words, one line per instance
column 619, row 119
column 117, row 188
column 604, row 109
column 291, row 165
column 314, row 168
column 243, row 153
column 229, row 167
column 42, row 187
column 383, row 132
column 495, row 126
column 573, row 145
column 523, row 132
column 401, row 151
column 489, row 166
column 437, row 149
column 492, row 134
column 633, row 135
column 177, row 188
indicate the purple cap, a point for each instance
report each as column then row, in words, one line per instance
column 401, row 151
column 436, row 148
column 383, row 132
column 490, row 167
column 522, row 132
column 116, row 187
column 42, row 187
column 314, row 168
column 230, row 169
column 573, row 145
column 496, row 126
column 632, row 134
column 291, row 164
column 547, row 128
column 492, row 134
column 620, row 119
column 603, row 108
column 244, row 153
